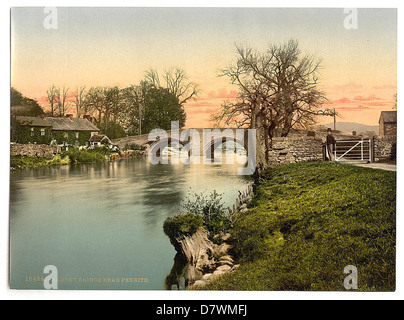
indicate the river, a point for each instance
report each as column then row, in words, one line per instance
column 101, row 225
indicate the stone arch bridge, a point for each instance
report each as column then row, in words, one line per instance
column 208, row 140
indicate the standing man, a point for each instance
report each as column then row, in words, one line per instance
column 331, row 142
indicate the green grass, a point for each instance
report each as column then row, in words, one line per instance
column 308, row 222
column 87, row 156
column 74, row 155
column 27, row 162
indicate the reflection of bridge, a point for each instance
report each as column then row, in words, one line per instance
column 207, row 140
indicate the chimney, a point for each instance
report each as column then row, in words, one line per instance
column 88, row 117
column 354, row 133
column 70, row 116
column 42, row 116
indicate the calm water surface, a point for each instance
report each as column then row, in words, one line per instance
column 103, row 222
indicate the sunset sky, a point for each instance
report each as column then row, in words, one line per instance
column 107, row 47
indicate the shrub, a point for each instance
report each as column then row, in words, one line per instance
column 135, row 147
column 210, row 208
column 86, row 156
column 182, row 225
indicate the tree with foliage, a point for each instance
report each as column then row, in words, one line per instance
column 150, row 107
column 23, row 106
column 278, row 91
column 161, row 107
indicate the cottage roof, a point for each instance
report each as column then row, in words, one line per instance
column 32, row 121
column 388, row 116
column 67, row 124
column 98, row 138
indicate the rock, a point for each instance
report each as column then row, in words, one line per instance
column 199, row 283
column 226, row 237
column 235, row 267
column 207, row 276
column 225, row 263
column 226, row 259
column 243, row 206
column 222, row 250
column 216, row 275
column 224, row 268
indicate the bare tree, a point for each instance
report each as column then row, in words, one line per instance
column 95, row 101
column 62, row 100
column 79, row 101
column 177, row 83
column 277, row 92
column 51, row 96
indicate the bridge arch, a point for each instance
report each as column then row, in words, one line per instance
column 163, row 143
column 211, row 146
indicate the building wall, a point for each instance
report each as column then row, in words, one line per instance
column 390, row 129
column 27, row 134
column 70, row 137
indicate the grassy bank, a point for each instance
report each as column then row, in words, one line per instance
column 67, row 157
column 27, row 162
column 308, row 222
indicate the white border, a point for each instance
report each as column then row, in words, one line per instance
column 6, row 294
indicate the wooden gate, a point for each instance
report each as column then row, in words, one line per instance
column 353, row 150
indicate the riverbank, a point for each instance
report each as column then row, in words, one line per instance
column 74, row 156
column 307, row 222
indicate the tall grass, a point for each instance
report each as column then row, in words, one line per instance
column 308, row 222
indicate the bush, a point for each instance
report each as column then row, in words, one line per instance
column 86, row 156
column 135, row 147
column 182, row 225
column 211, row 209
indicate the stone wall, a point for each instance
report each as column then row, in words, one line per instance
column 384, row 149
column 128, row 154
column 295, row 149
column 34, row 150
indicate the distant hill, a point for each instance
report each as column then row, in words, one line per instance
column 352, row 126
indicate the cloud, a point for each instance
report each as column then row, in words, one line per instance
column 202, row 111
column 202, row 104
column 223, row 94
column 342, row 100
column 348, row 87
column 370, row 98
column 355, row 108
column 385, row 87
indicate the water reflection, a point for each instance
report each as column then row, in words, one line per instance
column 104, row 219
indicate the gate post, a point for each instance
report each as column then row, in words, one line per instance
column 372, row 149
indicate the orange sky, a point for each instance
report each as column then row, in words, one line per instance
column 105, row 47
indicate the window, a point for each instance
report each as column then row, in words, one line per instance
column 42, row 132
column 32, row 131
column 77, row 134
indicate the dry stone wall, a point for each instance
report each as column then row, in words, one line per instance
column 295, row 149
column 384, row 149
column 34, row 150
